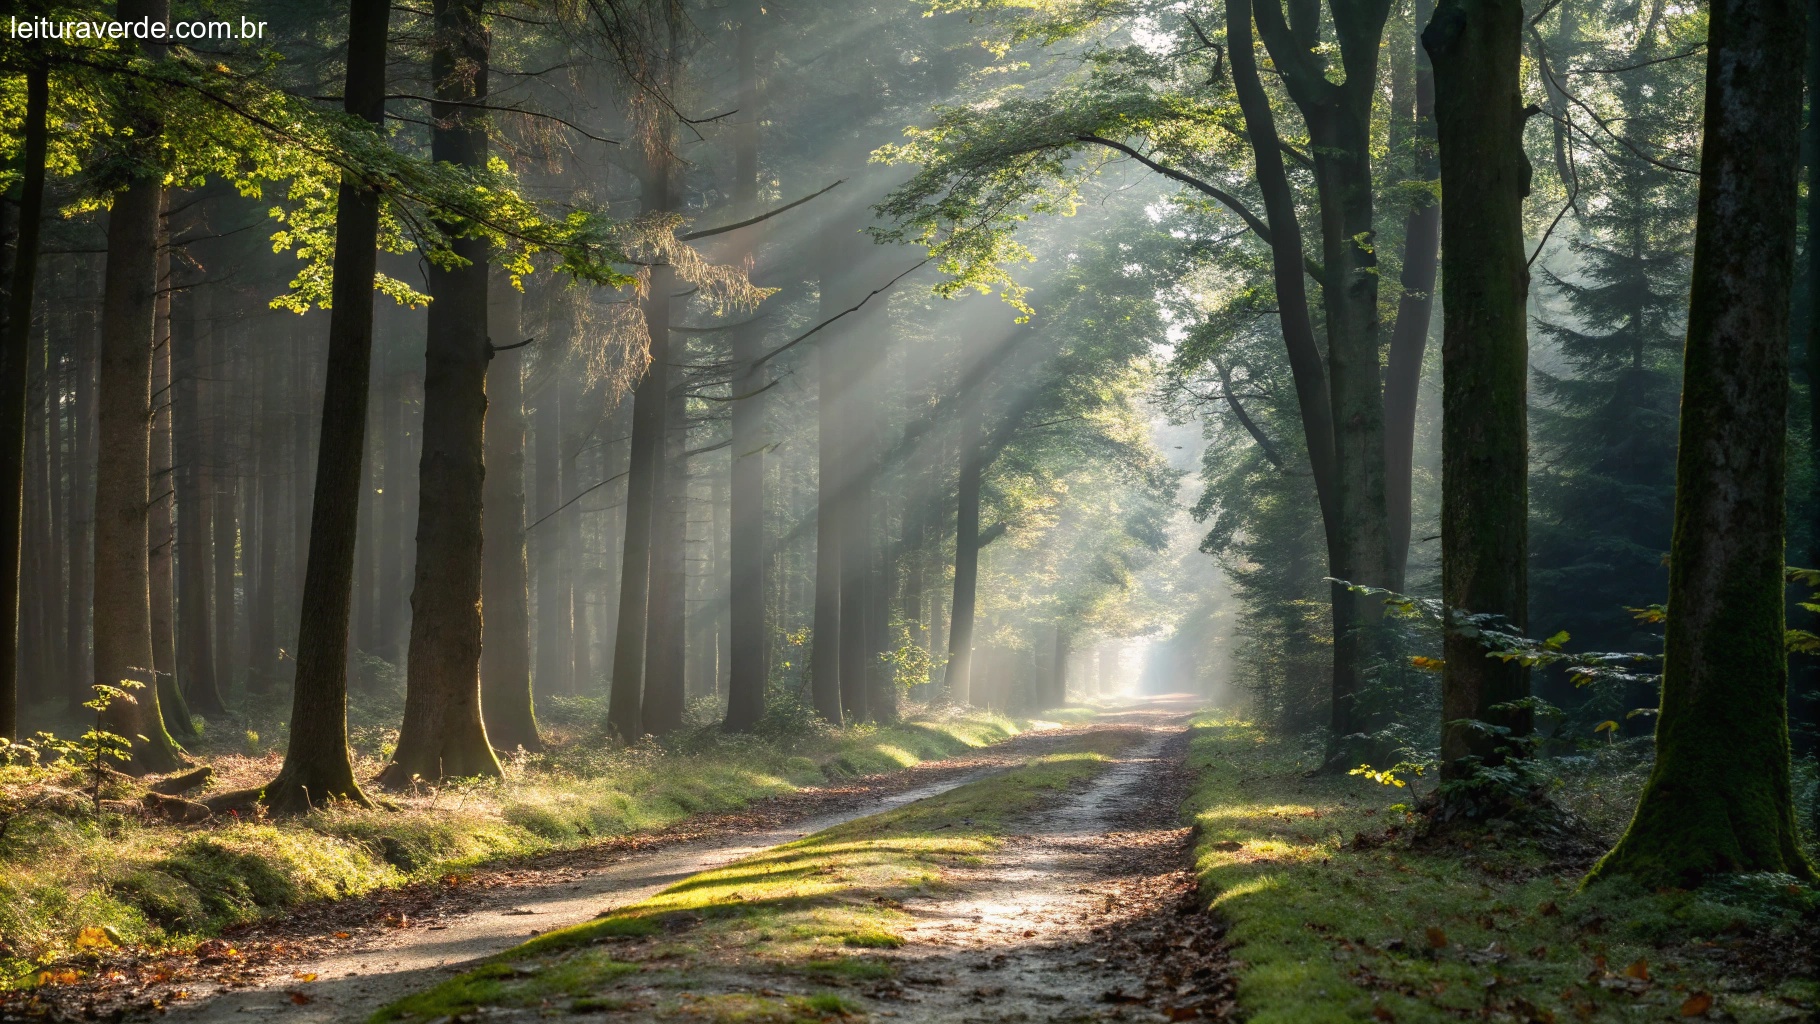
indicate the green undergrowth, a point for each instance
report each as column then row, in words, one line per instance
column 62, row 871
column 777, row 936
column 1337, row 916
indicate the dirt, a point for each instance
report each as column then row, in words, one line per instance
column 1088, row 913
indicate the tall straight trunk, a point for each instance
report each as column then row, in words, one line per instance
column 263, row 654
column 643, row 482
column 15, row 346
column 396, row 520
column 317, row 767
column 224, row 478
column 1476, row 46
column 195, row 504
column 828, row 689
column 552, row 675
column 1409, row 335
column 162, row 537
column 78, row 653
column 1058, row 687
column 958, row 680
column 38, row 570
column 748, row 650
column 1719, row 798
column 57, row 532
column 1811, row 145
column 505, row 653
column 854, row 513
column 122, row 587
column 443, row 735
column 300, row 481
column 645, row 487
column 666, row 622
column 579, row 662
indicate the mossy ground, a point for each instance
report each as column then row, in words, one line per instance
column 162, row 885
column 1492, row 926
column 800, row 917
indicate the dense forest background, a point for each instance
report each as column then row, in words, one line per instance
column 1053, row 445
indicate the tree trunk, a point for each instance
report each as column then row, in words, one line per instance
column 666, row 622
column 505, row 653
column 443, row 735
column 644, row 489
column 162, row 535
column 748, row 647
column 122, row 587
column 1719, row 797
column 1476, row 46
column 264, row 660
column 14, row 351
column 78, row 652
column 1409, row 336
column 396, row 519
column 225, row 518
column 958, row 679
column 317, row 767
column 195, row 550
column 828, row 689
column 552, row 671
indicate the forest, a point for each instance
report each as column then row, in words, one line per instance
column 798, row 511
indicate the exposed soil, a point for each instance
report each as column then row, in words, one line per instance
column 1087, row 913
column 339, row 960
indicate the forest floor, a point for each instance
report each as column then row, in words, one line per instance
column 1057, row 890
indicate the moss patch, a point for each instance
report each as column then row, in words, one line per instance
column 803, row 912
column 1335, row 928
column 165, row 885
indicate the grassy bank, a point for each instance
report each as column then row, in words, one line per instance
column 1338, row 917
column 140, row 881
column 805, row 913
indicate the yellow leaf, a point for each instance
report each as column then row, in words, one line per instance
column 304, row 975
column 1606, row 726
column 1638, row 970
column 93, row 938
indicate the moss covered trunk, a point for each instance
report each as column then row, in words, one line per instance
column 1476, row 49
column 1719, row 798
column 443, row 735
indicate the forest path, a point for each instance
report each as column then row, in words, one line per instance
column 1085, row 909
column 341, row 961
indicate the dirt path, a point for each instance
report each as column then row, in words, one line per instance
column 352, row 956
column 1089, row 913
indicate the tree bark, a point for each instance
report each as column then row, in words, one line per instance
column 1476, row 46
column 122, row 587
column 1719, row 799
column 195, row 550
column 443, row 735
column 317, row 767
column 505, row 653
column 958, row 679
column 666, row 619
column 827, row 686
column 15, row 347
column 748, row 649
column 1409, row 336
column 162, row 535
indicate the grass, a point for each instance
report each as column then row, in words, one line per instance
column 1332, row 929
column 169, row 885
column 801, row 914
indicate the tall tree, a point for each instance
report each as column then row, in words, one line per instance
column 1476, row 46
column 317, row 767
column 122, row 587
column 443, row 735
column 1719, row 797
column 15, row 344
column 748, row 648
column 505, row 653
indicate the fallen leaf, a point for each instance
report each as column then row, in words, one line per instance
column 304, row 975
column 93, row 938
column 301, row 998
column 1437, row 938
column 1638, row 970
column 343, row 935
column 1697, row 1004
